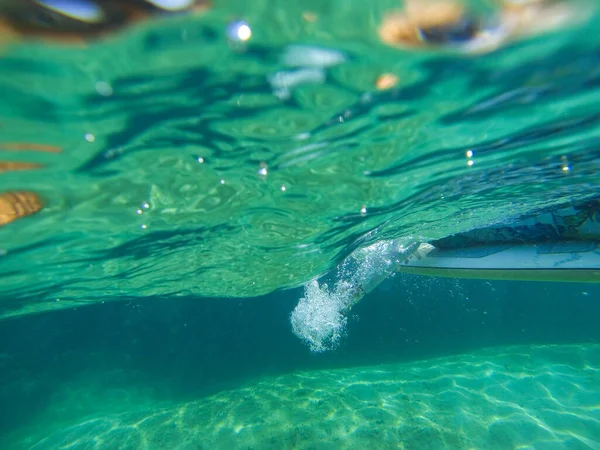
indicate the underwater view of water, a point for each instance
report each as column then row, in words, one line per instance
column 186, row 180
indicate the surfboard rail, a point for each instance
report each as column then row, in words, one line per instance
column 575, row 261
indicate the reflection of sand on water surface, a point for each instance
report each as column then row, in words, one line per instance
column 17, row 204
column 515, row 397
column 450, row 24
column 74, row 22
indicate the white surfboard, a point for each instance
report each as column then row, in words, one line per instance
column 576, row 261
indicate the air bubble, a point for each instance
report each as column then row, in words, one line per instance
column 104, row 89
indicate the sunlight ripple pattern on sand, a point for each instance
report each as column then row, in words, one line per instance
column 542, row 397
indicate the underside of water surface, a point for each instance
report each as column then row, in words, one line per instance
column 173, row 161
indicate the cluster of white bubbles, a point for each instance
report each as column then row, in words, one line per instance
column 320, row 317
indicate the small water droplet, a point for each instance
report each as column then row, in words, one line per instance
column 239, row 31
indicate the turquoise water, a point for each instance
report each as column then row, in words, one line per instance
column 190, row 189
column 442, row 403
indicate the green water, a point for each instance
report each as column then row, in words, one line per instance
column 543, row 397
column 451, row 364
column 134, row 213
column 147, row 305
